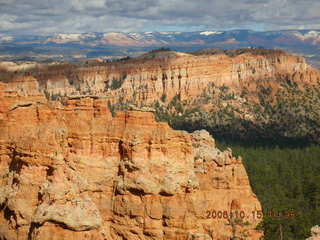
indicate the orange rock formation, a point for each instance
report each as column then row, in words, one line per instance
column 73, row 171
column 147, row 79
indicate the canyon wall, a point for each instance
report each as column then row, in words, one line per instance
column 72, row 171
column 146, row 80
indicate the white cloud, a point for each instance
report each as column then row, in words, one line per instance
column 87, row 4
column 8, row 22
column 46, row 16
column 7, row 1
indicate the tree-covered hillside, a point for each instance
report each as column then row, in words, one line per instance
column 279, row 115
column 284, row 179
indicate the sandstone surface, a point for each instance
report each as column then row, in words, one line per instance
column 149, row 78
column 72, row 171
column 146, row 81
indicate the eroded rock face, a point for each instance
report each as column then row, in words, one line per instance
column 144, row 81
column 73, row 171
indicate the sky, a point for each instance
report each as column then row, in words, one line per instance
column 76, row 16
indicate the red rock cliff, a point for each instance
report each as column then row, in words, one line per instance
column 146, row 79
column 73, row 171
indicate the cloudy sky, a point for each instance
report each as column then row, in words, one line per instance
column 75, row 16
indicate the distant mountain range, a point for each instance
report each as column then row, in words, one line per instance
column 75, row 46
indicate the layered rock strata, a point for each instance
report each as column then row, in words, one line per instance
column 148, row 79
column 73, row 171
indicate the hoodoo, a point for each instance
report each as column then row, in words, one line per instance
column 72, row 171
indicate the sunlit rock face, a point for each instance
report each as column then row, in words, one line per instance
column 148, row 78
column 72, row 171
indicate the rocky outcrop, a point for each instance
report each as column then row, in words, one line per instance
column 72, row 171
column 149, row 78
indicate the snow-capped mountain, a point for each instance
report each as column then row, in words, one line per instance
column 72, row 37
column 304, row 42
column 244, row 37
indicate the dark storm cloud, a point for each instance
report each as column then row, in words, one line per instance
column 48, row 16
